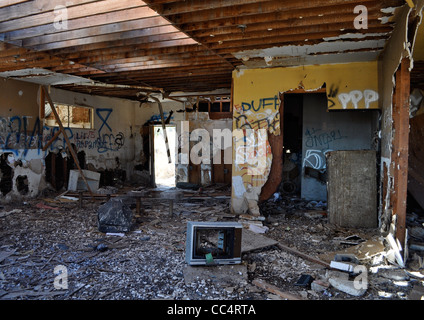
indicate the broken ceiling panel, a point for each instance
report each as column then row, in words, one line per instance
column 43, row 77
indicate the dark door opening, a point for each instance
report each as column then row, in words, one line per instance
column 292, row 155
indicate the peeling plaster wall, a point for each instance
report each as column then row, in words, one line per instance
column 20, row 139
column 396, row 49
column 256, row 106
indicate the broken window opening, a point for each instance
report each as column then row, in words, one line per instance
column 218, row 107
column 292, row 144
column 71, row 116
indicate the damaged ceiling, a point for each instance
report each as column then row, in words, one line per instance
column 131, row 46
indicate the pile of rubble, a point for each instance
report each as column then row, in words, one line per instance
column 52, row 249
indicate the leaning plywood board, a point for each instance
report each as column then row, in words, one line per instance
column 252, row 241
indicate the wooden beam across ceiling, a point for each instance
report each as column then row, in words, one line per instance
column 175, row 44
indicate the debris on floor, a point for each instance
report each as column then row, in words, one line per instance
column 288, row 252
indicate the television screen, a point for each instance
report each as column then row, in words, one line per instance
column 213, row 243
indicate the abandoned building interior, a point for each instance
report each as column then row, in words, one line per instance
column 197, row 150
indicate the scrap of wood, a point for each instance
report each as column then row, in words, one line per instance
column 273, row 289
column 5, row 254
column 168, row 151
column 110, row 292
column 303, row 255
column 52, row 140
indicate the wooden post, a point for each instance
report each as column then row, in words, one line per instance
column 163, row 127
column 62, row 129
column 400, row 148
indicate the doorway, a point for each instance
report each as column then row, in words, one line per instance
column 292, row 144
column 164, row 171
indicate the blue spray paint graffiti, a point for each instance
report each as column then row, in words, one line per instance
column 15, row 134
column 263, row 104
column 17, row 137
column 99, row 140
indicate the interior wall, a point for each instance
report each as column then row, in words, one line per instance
column 114, row 144
column 202, row 174
column 256, row 106
column 22, row 164
column 329, row 131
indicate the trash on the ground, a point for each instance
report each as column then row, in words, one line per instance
column 305, row 280
column 102, row 247
column 340, row 281
column 114, row 216
column 319, row 285
column 352, row 240
column 5, row 214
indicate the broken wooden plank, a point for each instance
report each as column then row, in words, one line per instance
column 253, row 241
column 5, row 254
column 303, row 255
column 168, row 151
column 52, row 140
column 273, row 289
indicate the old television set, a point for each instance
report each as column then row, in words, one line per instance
column 212, row 243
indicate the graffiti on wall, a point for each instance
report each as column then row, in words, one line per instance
column 355, row 99
column 317, row 143
column 263, row 103
column 317, row 138
column 101, row 140
column 252, row 120
column 17, row 134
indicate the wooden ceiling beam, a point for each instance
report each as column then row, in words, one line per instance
column 144, row 35
column 212, row 7
column 143, row 14
column 264, row 25
column 145, row 62
column 37, row 36
column 124, row 45
column 79, row 11
column 104, row 55
column 296, row 17
column 177, row 7
column 314, row 31
column 6, row 3
column 266, row 42
column 152, row 65
column 106, row 77
column 157, row 57
column 33, row 7
column 286, row 10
